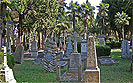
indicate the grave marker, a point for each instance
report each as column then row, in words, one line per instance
column 92, row 72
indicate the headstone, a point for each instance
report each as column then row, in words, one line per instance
column 19, row 54
column 84, row 48
column 92, row 72
column 125, row 50
column 101, row 42
column 34, row 49
column 49, row 60
column 75, row 61
column 58, row 73
column 69, row 49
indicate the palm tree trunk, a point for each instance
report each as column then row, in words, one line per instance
column 123, row 33
column 0, row 39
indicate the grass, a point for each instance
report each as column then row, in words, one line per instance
column 30, row 73
column 117, row 73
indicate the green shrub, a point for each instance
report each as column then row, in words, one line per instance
column 107, row 51
column 114, row 44
column 103, row 51
column 10, row 61
column 79, row 46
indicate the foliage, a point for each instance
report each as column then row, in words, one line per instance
column 11, row 61
column 1, row 61
column 79, row 46
column 102, row 16
column 121, row 19
column 114, row 44
column 103, row 51
column 119, row 6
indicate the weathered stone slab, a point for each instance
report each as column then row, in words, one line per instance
column 107, row 61
column 125, row 49
column 101, row 41
column 34, row 46
column 75, row 61
column 34, row 49
column 83, row 48
column 19, row 54
column 91, row 53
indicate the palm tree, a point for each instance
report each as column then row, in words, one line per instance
column 121, row 19
column 3, row 20
column 87, row 12
column 102, row 14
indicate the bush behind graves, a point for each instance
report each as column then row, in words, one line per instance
column 79, row 46
column 114, row 44
column 10, row 61
column 103, row 51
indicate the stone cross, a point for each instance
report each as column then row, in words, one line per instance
column 75, row 38
column 92, row 72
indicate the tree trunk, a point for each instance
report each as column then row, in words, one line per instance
column 123, row 36
column 0, row 39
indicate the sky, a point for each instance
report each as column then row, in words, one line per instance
column 93, row 3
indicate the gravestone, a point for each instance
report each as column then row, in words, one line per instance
column 92, row 72
column 34, row 49
column 125, row 50
column 84, row 48
column 69, row 49
column 75, row 61
column 49, row 60
column 107, row 61
column 19, row 54
column 102, row 40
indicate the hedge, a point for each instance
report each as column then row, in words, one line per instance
column 10, row 61
column 103, row 51
column 114, row 44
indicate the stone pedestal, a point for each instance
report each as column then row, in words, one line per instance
column 92, row 76
column 75, row 61
column 92, row 72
